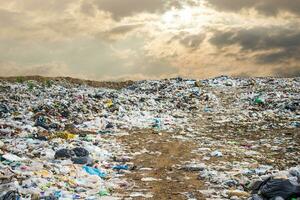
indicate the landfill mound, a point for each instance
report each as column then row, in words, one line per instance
column 220, row 138
column 48, row 80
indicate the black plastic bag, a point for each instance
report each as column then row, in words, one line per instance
column 81, row 152
column 272, row 188
column 64, row 153
column 11, row 195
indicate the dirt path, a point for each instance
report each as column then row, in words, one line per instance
column 157, row 174
column 158, row 159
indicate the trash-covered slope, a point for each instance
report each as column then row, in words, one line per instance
column 64, row 140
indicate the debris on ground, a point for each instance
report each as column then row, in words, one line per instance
column 220, row 138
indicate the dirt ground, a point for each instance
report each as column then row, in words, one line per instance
column 162, row 156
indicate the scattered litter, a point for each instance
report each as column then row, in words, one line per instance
column 61, row 140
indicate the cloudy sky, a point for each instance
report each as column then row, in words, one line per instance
column 138, row 39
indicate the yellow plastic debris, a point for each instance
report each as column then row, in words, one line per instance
column 109, row 103
column 65, row 135
column 43, row 173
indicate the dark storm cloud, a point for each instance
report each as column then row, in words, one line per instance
column 283, row 43
column 231, row 5
column 188, row 40
column 118, row 32
column 267, row 7
column 289, row 72
column 192, row 41
column 124, row 8
column 258, row 38
column 282, row 56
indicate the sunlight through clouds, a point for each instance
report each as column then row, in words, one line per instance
column 199, row 38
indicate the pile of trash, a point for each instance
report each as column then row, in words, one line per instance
column 58, row 169
column 54, row 137
column 282, row 185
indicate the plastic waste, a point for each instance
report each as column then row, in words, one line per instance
column 80, row 152
column 259, row 100
column 4, row 110
column 275, row 188
column 64, row 153
column 11, row 195
column 121, row 167
column 104, row 192
column 48, row 133
column 157, row 123
column 86, row 160
column 12, row 157
column 65, row 135
column 42, row 122
column 194, row 167
column 216, row 154
column 94, row 171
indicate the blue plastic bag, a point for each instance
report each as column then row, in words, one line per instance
column 120, row 167
column 94, row 171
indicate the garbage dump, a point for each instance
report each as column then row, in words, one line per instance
column 220, row 138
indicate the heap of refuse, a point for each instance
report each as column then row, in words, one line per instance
column 54, row 142
column 281, row 185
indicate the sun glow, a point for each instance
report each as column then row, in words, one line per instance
column 186, row 19
column 177, row 17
